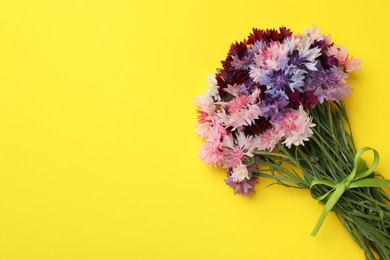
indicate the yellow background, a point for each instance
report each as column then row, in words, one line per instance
column 98, row 157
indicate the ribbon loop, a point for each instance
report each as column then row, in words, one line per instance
column 359, row 177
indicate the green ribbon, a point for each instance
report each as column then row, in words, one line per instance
column 359, row 177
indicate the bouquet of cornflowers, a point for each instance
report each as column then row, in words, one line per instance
column 275, row 110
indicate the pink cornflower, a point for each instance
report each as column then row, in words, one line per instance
column 212, row 153
column 236, row 151
column 211, row 129
column 243, row 110
column 271, row 55
column 267, row 60
column 297, row 127
column 243, row 142
column 238, row 103
column 270, row 138
column 205, row 104
column 341, row 54
column 203, row 117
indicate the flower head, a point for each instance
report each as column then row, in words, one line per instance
column 244, row 187
column 242, row 110
column 296, row 125
column 273, row 106
column 270, row 138
column 212, row 153
column 238, row 148
column 307, row 99
column 240, row 173
column 330, row 85
column 261, row 97
column 341, row 54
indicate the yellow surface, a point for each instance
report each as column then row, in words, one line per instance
column 98, row 157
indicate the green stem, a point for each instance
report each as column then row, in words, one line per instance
column 329, row 155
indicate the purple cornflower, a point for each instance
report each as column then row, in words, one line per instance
column 329, row 84
column 273, row 106
column 288, row 78
column 324, row 79
column 245, row 187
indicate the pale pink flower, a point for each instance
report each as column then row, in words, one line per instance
column 210, row 129
column 353, row 65
column 236, row 150
column 341, row 54
column 314, row 34
column 297, row 127
column 245, row 143
column 269, row 58
column 212, row 153
column 212, row 89
column 213, row 132
column 270, row 138
column 203, row 129
column 241, row 111
column 205, row 104
column 235, row 155
column 238, row 103
column 240, row 173
column 275, row 51
column 207, row 118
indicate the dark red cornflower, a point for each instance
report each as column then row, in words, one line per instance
column 284, row 32
column 229, row 75
column 272, row 34
column 328, row 62
column 238, row 49
column 268, row 35
column 311, row 99
column 225, row 78
column 258, row 127
column 256, row 35
column 320, row 44
column 307, row 99
column 220, row 77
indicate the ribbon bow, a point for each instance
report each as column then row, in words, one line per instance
column 359, row 177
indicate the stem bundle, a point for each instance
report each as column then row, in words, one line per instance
column 329, row 156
